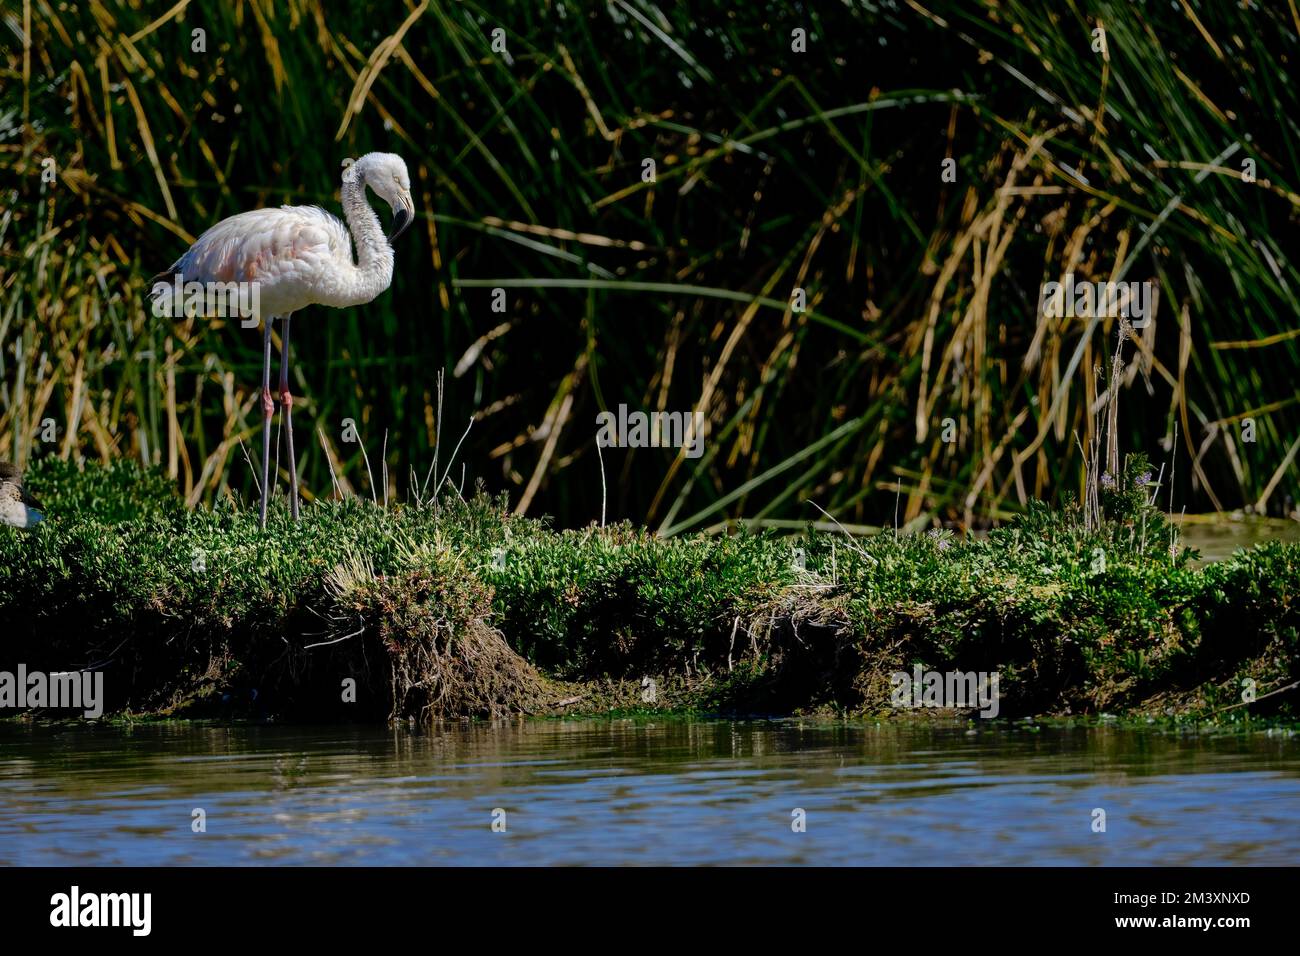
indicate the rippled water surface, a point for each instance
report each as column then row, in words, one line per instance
column 636, row 792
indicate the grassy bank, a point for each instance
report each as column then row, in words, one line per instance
column 462, row 609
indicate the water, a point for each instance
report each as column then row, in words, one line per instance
column 1217, row 537
column 632, row 792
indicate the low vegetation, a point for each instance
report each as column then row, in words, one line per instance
column 458, row 608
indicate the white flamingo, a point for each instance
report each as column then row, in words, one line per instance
column 300, row 256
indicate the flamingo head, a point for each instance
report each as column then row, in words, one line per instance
column 386, row 174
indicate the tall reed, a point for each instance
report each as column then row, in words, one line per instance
column 775, row 170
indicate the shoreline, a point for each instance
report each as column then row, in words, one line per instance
column 1187, row 725
column 463, row 610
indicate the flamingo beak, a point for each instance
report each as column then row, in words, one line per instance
column 403, row 216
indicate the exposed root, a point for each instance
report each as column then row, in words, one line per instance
column 441, row 657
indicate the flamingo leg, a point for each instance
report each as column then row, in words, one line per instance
column 268, row 409
column 286, row 403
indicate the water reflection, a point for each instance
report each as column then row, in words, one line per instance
column 1216, row 537
column 677, row 791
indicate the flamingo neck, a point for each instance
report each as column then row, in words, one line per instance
column 374, row 254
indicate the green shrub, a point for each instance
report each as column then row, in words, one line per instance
column 177, row 601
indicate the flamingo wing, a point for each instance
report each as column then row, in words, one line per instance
column 265, row 244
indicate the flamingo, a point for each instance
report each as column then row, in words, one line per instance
column 298, row 256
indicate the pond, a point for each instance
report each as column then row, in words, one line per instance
column 677, row 791
column 1217, row 536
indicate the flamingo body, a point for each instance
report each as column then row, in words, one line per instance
column 299, row 256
